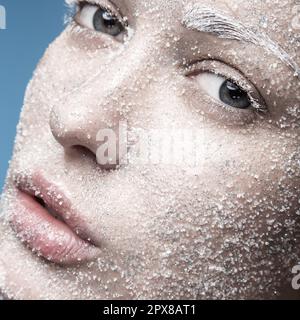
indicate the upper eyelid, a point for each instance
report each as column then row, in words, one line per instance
column 225, row 106
column 104, row 4
column 75, row 17
column 193, row 67
column 239, row 78
column 219, row 111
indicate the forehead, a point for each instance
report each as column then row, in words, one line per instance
column 243, row 8
column 272, row 18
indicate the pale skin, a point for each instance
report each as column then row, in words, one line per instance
column 228, row 228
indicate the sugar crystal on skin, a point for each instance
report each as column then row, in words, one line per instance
column 227, row 228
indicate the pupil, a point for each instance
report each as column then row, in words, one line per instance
column 234, row 91
column 108, row 20
column 232, row 95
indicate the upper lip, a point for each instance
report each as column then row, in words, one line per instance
column 57, row 204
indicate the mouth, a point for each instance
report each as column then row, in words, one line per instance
column 44, row 221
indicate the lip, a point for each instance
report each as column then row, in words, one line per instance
column 43, row 219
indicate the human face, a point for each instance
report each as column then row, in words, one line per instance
column 223, row 223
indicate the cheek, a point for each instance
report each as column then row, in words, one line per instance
column 66, row 68
column 238, row 210
column 244, row 188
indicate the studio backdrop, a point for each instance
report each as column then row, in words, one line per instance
column 26, row 29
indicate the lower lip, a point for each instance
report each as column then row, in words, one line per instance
column 47, row 236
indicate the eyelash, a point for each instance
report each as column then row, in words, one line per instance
column 258, row 107
column 79, row 4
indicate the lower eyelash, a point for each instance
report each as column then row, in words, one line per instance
column 78, row 5
column 257, row 106
column 254, row 103
column 205, row 66
column 231, row 115
column 76, row 28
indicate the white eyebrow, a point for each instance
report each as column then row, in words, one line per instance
column 209, row 20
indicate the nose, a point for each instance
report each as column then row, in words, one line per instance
column 94, row 116
column 85, row 130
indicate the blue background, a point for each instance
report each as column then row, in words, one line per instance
column 30, row 26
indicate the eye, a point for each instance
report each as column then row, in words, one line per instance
column 224, row 90
column 99, row 19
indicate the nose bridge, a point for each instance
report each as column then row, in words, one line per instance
column 103, row 101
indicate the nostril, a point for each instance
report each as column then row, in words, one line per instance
column 83, row 151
